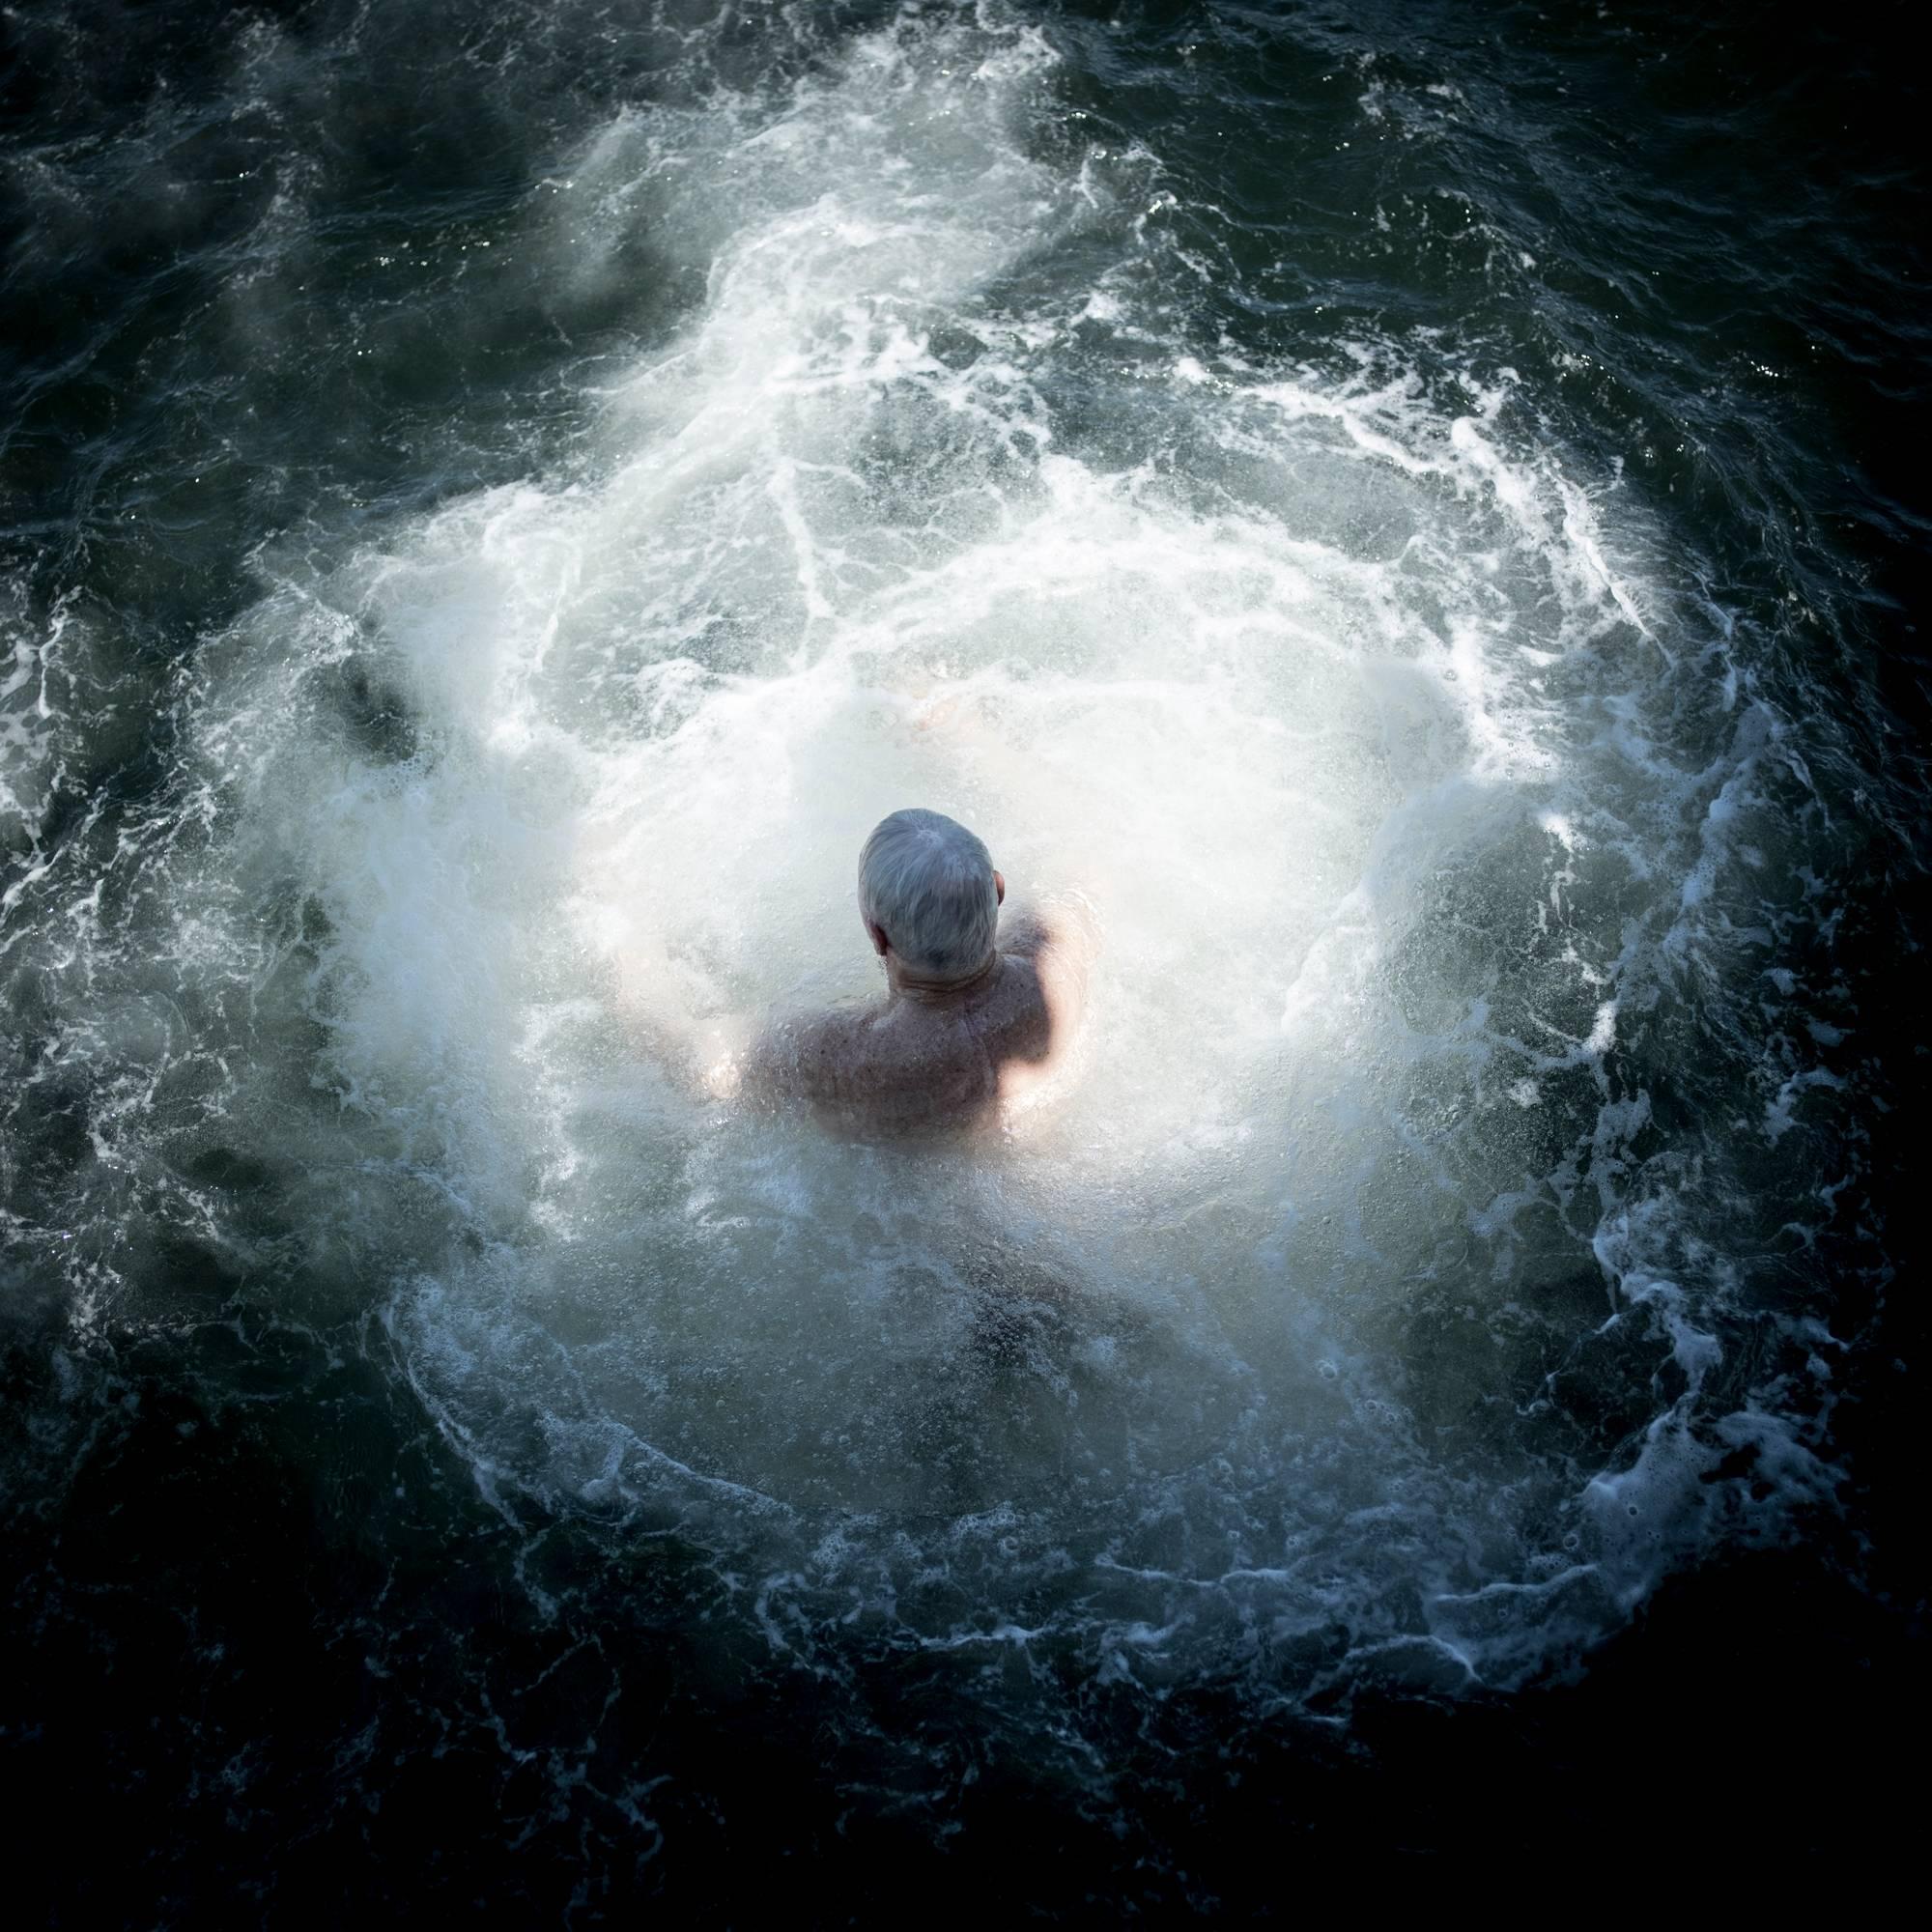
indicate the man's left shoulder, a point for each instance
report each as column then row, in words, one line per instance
column 805, row 1054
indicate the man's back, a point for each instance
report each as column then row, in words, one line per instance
column 936, row 1059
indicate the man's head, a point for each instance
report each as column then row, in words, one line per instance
column 928, row 894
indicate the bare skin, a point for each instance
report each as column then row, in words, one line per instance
column 939, row 1054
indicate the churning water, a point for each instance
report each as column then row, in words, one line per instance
column 503, row 501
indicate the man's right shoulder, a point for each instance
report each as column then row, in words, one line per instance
column 1065, row 940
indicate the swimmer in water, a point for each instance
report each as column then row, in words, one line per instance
column 976, row 1016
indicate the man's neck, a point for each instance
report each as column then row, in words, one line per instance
column 925, row 989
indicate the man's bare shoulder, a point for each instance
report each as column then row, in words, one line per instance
column 1064, row 922
column 1057, row 943
column 806, row 1055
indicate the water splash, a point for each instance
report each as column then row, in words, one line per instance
column 1345, row 1294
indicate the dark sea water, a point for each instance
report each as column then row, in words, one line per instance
column 1416, row 506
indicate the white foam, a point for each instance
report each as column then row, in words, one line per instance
column 1328, row 707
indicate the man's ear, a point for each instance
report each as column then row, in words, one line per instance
column 999, row 888
column 877, row 935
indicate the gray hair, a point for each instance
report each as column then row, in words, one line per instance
column 928, row 884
